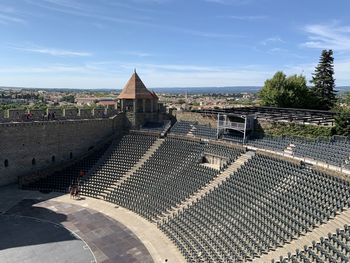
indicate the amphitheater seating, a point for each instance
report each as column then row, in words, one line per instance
column 204, row 131
column 267, row 203
column 220, row 150
column 234, row 138
column 182, row 127
column 263, row 205
column 154, row 126
column 121, row 159
column 335, row 249
column 153, row 188
column 332, row 151
column 193, row 129
column 270, row 143
column 61, row 180
column 171, row 175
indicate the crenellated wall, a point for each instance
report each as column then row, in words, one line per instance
column 23, row 115
column 30, row 146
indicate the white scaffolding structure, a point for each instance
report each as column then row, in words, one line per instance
column 225, row 122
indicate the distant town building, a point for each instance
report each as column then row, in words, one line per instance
column 107, row 102
column 85, row 101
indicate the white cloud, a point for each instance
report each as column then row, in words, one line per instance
column 6, row 19
column 341, row 70
column 89, row 11
column 9, row 15
column 209, row 34
column 328, row 36
column 54, row 51
column 57, row 69
column 272, row 40
column 136, row 53
column 114, row 74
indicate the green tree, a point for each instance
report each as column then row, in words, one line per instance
column 323, row 82
column 39, row 105
column 345, row 98
column 283, row 91
column 342, row 123
column 68, row 98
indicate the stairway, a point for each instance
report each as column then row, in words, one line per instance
column 190, row 133
column 216, row 182
column 129, row 173
column 290, row 149
column 306, row 240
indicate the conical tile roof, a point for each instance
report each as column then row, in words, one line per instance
column 135, row 89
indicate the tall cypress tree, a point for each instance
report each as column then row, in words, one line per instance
column 324, row 82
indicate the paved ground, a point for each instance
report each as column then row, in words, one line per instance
column 152, row 245
column 27, row 240
column 109, row 240
column 158, row 244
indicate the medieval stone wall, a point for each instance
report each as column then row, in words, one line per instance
column 195, row 117
column 31, row 146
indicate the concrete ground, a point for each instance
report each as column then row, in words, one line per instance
column 113, row 234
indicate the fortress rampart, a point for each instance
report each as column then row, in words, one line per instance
column 22, row 115
column 26, row 147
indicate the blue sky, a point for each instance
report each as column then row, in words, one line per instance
column 171, row 43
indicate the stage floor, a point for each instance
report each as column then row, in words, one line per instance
column 36, row 231
column 25, row 239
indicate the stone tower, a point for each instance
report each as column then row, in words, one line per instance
column 137, row 101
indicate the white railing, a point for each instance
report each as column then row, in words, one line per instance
column 233, row 125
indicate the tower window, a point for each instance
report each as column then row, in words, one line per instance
column 6, row 163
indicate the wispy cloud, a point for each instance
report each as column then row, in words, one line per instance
column 6, row 19
column 9, row 15
column 272, row 40
column 45, row 69
column 114, row 74
column 332, row 36
column 211, row 35
column 53, row 51
column 82, row 10
column 86, row 11
column 246, row 18
column 133, row 7
column 174, row 67
column 277, row 50
column 136, row 53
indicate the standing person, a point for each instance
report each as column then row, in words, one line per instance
column 71, row 192
column 77, row 193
